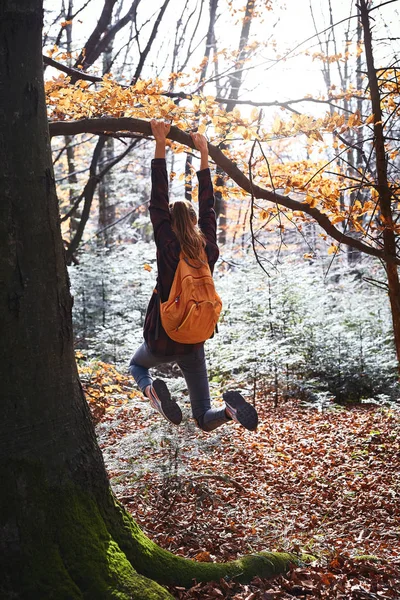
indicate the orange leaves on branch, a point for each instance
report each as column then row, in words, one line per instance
column 303, row 124
column 143, row 100
column 327, row 58
column 312, row 201
column 146, row 100
column 338, row 219
column 303, row 184
column 357, row 226
column 52, row 50
column 354, row 119
column 333, row 249
column 370, row 119
column 304, row 180
column 298, row 124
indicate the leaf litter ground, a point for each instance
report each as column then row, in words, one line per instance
column 322, row 483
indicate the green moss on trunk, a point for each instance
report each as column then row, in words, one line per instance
column 169, row 569
column 58, row 545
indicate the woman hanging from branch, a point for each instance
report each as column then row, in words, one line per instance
column 184, row 308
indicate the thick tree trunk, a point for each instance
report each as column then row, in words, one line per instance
column 62, row 535
column 385, row 193
column 38, row 369
column 48, row 445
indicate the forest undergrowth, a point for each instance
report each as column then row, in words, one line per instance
column 311, row 330
column 317, row 480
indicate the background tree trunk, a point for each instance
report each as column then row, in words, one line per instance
column 385, row 193
column 70, row 149
column 235, row 82
column 105, row 191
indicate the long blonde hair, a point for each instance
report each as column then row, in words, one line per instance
column 184, row 224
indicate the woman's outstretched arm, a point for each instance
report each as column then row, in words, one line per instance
column 207, row 218
column 160, row 130
column 201, row 145
column 159, row 201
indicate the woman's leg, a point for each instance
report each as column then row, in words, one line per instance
column 194, row 369
column 156, row 391
column 140, row 364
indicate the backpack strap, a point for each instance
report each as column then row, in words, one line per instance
column 194, row 266
column 200, row 259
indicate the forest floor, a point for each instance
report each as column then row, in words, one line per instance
column 323, row 482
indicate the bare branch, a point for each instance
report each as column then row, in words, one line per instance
column 111, row 33
column 143, row 55
column 75, row 73
column 380, row 5
column 85, row 57
column 253, row 238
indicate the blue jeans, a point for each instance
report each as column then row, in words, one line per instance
column 194, row 370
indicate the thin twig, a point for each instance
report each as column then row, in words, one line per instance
column 253, row 240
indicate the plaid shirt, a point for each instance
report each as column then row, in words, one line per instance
column 168, row 249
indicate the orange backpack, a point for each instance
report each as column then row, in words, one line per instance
column 191, row 313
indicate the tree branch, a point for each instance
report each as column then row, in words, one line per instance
column 112, row 32
column 85, row 57
column 107, row 124
column 143, row 55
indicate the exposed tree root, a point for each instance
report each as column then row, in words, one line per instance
column 65, row 543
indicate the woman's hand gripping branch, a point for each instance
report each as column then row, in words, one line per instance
column 160, row 130
column 201, row 145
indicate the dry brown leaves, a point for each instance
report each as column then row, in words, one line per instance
column 325, row 483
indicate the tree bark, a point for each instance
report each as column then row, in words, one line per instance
column 62, row 534
column 384, row 191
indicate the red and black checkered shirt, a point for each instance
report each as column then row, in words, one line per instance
column 168, row 249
